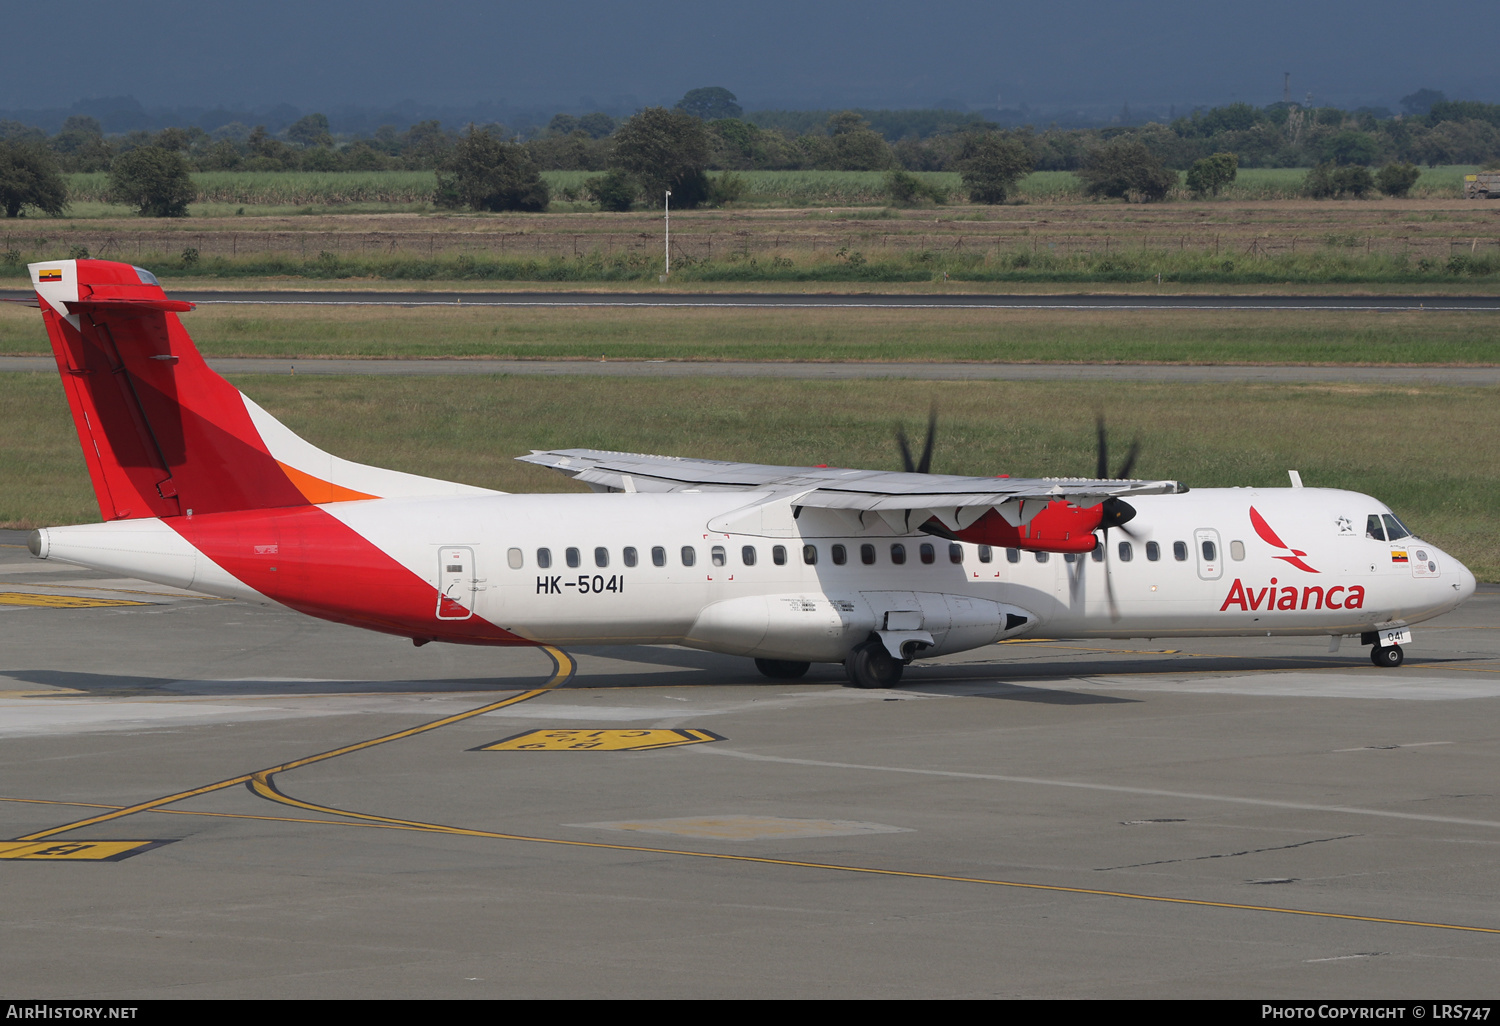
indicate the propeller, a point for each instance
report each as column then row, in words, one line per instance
column 1114, row 511
column 925, row 465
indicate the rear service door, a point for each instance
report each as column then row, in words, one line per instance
column 457, row 582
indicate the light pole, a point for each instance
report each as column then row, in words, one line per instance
column 669, row 234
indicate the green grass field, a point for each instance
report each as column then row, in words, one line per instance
column 1006, row 336
column 1432, row 453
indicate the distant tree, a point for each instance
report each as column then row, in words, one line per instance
column 29, row 178
column 856, row 146
column 179, row 138
column 1350, row 147
column 80, row 145
column 991, row 165
column 485, row 173
column 154, row 181
column 562, row 124
column 665, row 149
column 1125, row 168
column 710, row 104
column 310, row 131
column 1421, row 101
column 1211, row 174
column 597, row 125
column 614, row 190
column 425, row 145
column 15, row 131
column 907, row 190
column 1330, row 181
column 1397, row 179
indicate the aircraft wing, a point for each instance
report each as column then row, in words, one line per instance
column 830, row 487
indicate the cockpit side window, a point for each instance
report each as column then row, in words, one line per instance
column 1373, row 527
column 1394, row 528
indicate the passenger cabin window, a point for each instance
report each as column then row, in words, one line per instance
column 955, row 552
column 840, row 555
column 1153, row 551
column 629, row 555
column 1394, row 529
column 1070, row 557
column 1374, row 528
column 1210, row 551
column 573, row 557
column 778, row 555
column 1127, row 552
column 1012, row 555
column 1041, row 557
column 810, row 554
column 928, row 553
column 658, row 556
column 601, row 556
column 867, row 555
column 1097, row 555
column 689, row 555
column 898, row 553
column 717, row 556
column 515, row 558
column 1237, row 550
column 544, row 558
column 986, row 554
column 747, row 555
column 1179, row 551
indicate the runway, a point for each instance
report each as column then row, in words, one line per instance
column 299, row 809
column 1140, row 372
column 820, row 300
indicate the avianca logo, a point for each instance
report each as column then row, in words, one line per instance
column 1270, row 538
column 1314, row 597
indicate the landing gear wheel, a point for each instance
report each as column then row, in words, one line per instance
column 871, row 666
column 1389, row 657
column 781, row 669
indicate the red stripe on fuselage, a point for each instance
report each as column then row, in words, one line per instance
column 309, row 560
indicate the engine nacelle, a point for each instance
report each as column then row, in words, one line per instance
column 1057, row 527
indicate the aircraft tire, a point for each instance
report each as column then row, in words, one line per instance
column 782, row 669
column 871, row 666
column 1389, row 657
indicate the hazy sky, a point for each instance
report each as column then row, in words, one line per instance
column 318, row 55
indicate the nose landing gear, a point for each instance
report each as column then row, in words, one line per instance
column 1389, row 656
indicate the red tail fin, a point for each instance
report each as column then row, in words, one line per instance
column 162, row 433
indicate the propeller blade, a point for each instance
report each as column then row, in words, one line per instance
column 1109, row 582
column 1129, row 464
column 906, row 461
column 925, row 466
column 1102, row 466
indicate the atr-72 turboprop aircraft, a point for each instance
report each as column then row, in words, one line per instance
column 201, row 488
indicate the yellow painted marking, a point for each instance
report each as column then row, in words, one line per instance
column 599, row 740
column 17, row 598
column 74, row 851
column 563, row 671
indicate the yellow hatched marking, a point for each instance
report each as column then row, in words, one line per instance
column 73, row 851
column 20, row 598
column 586, row 740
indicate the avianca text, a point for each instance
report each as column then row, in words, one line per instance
column 1310, row 597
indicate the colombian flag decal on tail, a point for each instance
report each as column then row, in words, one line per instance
column 54, row 274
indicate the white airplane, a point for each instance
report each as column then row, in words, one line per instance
column 202, row 489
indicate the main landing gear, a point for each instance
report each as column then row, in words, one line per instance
column 871, row 666
column 781, row 669
column 1389, row 656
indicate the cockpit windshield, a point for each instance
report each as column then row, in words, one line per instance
column 1394, row 529
column 147, row 278
column 1385, row 527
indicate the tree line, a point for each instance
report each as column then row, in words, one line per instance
column 659, row 149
